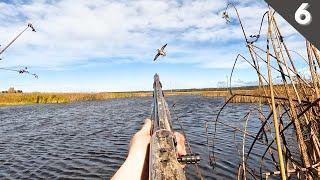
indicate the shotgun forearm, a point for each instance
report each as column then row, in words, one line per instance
column 163, row 163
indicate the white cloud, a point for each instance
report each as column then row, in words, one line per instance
column 75, row 32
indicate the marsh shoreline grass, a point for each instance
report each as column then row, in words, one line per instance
column 12, row 99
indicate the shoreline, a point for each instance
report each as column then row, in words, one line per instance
column 19, row 99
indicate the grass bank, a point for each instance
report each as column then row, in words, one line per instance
column 244, row 95
column 47, row 98
column 11, row 99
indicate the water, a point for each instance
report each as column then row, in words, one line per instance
column 89, row 140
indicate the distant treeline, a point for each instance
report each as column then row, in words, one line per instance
column 12, row 90
column 203, row 89
column 222, row 89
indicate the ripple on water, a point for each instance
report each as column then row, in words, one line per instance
column 89, row 140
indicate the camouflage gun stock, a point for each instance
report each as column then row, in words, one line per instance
column 163, row 163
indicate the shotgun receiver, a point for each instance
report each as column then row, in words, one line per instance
column 163, row 163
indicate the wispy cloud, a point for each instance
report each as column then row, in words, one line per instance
column 70, row 32
column 81, row 33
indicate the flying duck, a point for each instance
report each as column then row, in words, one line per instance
column 161, row 52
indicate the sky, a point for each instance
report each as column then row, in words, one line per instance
column 109, row 45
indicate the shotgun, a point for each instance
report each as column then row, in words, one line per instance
column 163, row 160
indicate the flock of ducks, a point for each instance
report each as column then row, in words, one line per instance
column 160, row 51
column 23, row 70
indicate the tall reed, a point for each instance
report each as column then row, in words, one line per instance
column 294, row 104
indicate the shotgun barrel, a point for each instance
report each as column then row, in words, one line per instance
column 163, row 163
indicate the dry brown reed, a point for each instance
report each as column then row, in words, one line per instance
column 42, row 98
column 7, row 99
column 295, row 104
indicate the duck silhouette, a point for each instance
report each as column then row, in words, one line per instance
column 32, row 28
column 225, row 16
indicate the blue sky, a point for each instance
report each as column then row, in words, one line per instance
column 105, row 45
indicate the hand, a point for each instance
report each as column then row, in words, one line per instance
column 137, row 163
column 180, row 148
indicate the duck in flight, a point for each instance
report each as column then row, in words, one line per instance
column 225, row 16
column 32, row 28
column 161, row 52
column 21, row 71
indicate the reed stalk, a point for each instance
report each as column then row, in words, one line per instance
column 294, row 104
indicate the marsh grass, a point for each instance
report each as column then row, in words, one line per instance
column 46, row 98
column 10, row 99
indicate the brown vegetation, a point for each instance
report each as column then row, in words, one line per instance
column 244, row 95
column 41, row 98
column 294, row 105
